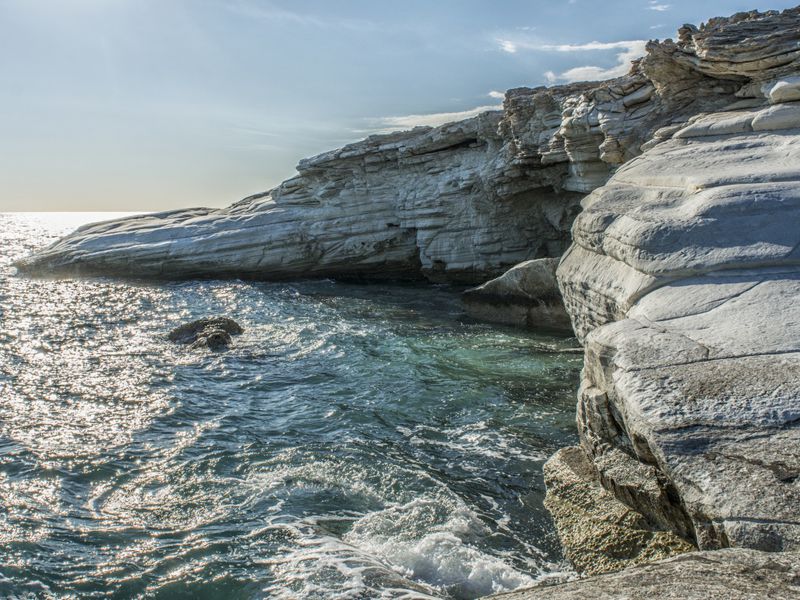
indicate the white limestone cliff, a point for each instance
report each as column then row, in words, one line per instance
column 683, row 280
column 462, row 202
column 441, row 203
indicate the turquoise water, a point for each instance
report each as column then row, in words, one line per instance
column 355, row 442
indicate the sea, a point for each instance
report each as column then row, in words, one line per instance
column 357, row 441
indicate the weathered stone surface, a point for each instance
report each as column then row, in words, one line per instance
column 213, row 333
column 599, row 533
column 683, row 281
column 526, row 295
column 786, row 89
column 733, row 574
column 440, row 203
column 701, row 383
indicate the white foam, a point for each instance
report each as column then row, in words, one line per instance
column 323, row 566
column 433, row 540
column 474, row 439
column 423, row 549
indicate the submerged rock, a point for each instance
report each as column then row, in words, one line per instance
column 734, row 574
column 526, row 295
column 213, row 333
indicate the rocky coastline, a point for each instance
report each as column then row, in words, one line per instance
column 673, row 194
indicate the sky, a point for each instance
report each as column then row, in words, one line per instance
column 128, row 105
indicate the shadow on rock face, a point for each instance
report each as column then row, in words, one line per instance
column 213, row 333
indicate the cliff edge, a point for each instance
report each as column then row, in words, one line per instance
column 461, row 203
column 682, row 281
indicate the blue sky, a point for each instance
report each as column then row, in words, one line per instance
column 156, row 104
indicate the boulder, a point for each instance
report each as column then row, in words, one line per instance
column 213, row 333
column 598, row 532
column 526, row 295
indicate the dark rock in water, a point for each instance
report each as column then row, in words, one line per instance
column 213, row 339
column 213, row 333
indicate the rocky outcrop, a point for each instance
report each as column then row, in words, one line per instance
column 462, row 202
column 526, row 295
column 693, row 250
column 212, row 333
column 730, row 574
column 441, row 203
column 683, row 281
column 599, row 533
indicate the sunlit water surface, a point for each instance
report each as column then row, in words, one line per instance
column 355, row 442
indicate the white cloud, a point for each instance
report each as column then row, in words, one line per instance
column 655, row 5
column 590, row 46
column 496, row 95
column 660, row 26
column 507, row 46
column 387, row 124
column 629, row 50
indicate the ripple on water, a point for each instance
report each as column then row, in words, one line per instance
column 356, row 442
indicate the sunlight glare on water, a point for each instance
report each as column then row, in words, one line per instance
column 355, row 442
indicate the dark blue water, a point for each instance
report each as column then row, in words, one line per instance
column 355, row 442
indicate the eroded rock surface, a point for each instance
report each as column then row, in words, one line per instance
column 441, row 203
column 599, row 533
column 462, row 202
column 734, row 574
column 526, row 295
column 683, row 281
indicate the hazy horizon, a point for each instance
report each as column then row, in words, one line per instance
column 139, row 106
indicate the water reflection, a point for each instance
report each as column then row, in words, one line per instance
column 355, row 442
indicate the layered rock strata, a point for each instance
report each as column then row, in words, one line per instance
column 683, row 281
column 462, row 202
column 526, row 295
column 441, row 203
